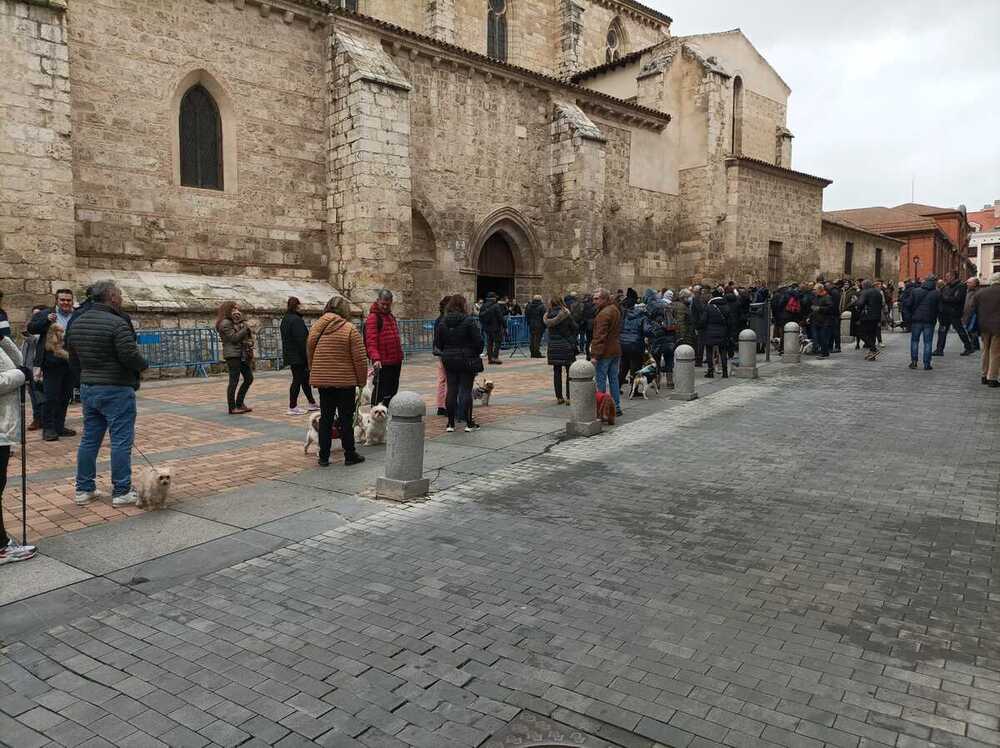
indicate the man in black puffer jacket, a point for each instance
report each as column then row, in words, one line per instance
column 110, row 364
column 534, row 316
column 950, row 314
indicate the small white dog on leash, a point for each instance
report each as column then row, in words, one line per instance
column 639, row 387
column 153, row 488
column 312, row 433
column 482, row 391
column 370, row 427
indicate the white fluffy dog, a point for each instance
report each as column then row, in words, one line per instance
column 370, row 427
column 482, row 391
column 639, row 387
column 312, row 433
column 153, row 488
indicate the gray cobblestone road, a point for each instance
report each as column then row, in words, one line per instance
column 810, row 559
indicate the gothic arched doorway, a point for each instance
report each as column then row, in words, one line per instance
column 496, row 268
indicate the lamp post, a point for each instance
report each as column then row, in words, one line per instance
column 916, row 268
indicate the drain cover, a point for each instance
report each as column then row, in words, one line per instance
column 529, row 730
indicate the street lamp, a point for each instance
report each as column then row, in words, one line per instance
column 916, row 268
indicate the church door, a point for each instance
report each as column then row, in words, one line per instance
column 496, row 268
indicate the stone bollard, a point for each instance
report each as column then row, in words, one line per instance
column 583, row 401
column 793, row 349
column 748, row 356
column 845, row 329
column 683, row 374
column 404, row 458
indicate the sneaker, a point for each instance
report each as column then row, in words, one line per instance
column 994, row 383
column 13, row 552
column 913, row 364
column 82, row 498
column 470, row 427
column 313, row 407
column 296, row 411
column 450, row 430
column 126, row 499
column 353, row 458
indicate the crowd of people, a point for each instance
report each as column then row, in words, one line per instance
column 92, row 346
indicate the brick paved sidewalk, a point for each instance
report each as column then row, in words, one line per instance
column 805, row 560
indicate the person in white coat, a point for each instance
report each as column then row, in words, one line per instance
column 13, row 375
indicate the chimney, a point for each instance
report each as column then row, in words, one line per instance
column 996, row 208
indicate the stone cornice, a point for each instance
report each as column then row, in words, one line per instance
column 415, row 44
column 636, row 11
column 312, row 12
column 781, row 171
column 57, row 5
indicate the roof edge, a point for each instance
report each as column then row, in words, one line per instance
column 607, row 67
column 756, row 163
column 860, row 229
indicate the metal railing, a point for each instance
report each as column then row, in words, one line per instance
column 198, row 348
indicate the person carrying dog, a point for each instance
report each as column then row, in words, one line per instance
column 337, row 366
column 562, row 350
column 57, row 377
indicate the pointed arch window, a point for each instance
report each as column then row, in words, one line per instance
column 616, row 43
column 496, row 30
column 200, row 130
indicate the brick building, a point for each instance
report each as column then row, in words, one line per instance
column 198, row 150
column 935, row 240
column 984, row 241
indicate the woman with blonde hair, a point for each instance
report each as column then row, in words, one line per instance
column 237, row 350
column 337, row 366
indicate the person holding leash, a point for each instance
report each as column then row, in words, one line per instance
column 13, row 376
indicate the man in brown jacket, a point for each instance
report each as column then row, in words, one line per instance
column 337, row 366
column 605, row 347
column 987, row 308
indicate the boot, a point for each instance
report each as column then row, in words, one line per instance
column 710, row 374
column 35, row 425
column 353, row 458
column 725, row 372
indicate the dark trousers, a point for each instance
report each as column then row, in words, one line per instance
column 699, row 350
column 536, row 342
column 57, row 382
column 37, row 400
column 963, row 335
column 237, row 368
column 868, row 332
column 631, row 363
column 387, row 381
column 300, row 381
column 824, row 338
column 493, row 339
column 459, row 393
column 586, row 335
column 4, row 461
column 665, row 358
column 337, row 401
column 557, row 380
column 710, row 351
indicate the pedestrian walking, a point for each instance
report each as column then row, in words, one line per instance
column 986, row 306
column 335, row 354
column 461, row 344
column 952, row 305
column 110, row 366
column 13, row 376
column 921, row 310
column 491, row 322
column 29, row 348
column 562, row 349
column 384, row 346
column 442, row 375
column 57, row 377
column 534, row 316
column 715, row 333
column 605, row 347
column 969, row 320
column 823, row 319
column 294, row 334
column 238, row 351
column 869, row 304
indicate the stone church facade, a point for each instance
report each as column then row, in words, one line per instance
column 198, row 150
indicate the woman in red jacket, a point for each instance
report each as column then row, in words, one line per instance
column 385, row 349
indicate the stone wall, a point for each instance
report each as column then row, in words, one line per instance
column 597, row 18
column 129, row 62
column 770, row 205
column 834, row 243
column 762, row 120
column 36, row 176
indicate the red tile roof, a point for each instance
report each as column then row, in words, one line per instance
column 987, row 219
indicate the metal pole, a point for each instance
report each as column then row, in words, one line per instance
column 24, row 471
column 767, row 317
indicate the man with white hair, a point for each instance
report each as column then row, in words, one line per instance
column 605, row 347
column 986, row 305
column 110, row 364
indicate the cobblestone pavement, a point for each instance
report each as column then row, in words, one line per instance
column 804, row 560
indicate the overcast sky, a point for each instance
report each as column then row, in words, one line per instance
column 882, row 91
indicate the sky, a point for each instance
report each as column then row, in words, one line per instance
column 883, row 91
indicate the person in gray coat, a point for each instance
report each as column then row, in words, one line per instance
column 237, row 349
column 110, row 366
column 13, row 375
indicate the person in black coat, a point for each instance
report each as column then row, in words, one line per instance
column 699, row 304
column 950, row 314
column 715, row 336
column 921, row 308
column 293, row 351
column 57, row 376
column 461, row 344
column 492, row 321
column 534, row 317
column 563, row 335
column 869, row 306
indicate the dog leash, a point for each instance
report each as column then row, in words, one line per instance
column 148, row 461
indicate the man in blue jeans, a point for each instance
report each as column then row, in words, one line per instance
column 110, row 362
column 922, row 308
column 605, row 346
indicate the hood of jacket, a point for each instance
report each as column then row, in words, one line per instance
column 334, row 322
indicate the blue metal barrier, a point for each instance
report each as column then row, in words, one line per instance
column 267, row 346
column 516, row 336
column 194, row 348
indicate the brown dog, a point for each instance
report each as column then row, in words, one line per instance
column 606, row 408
